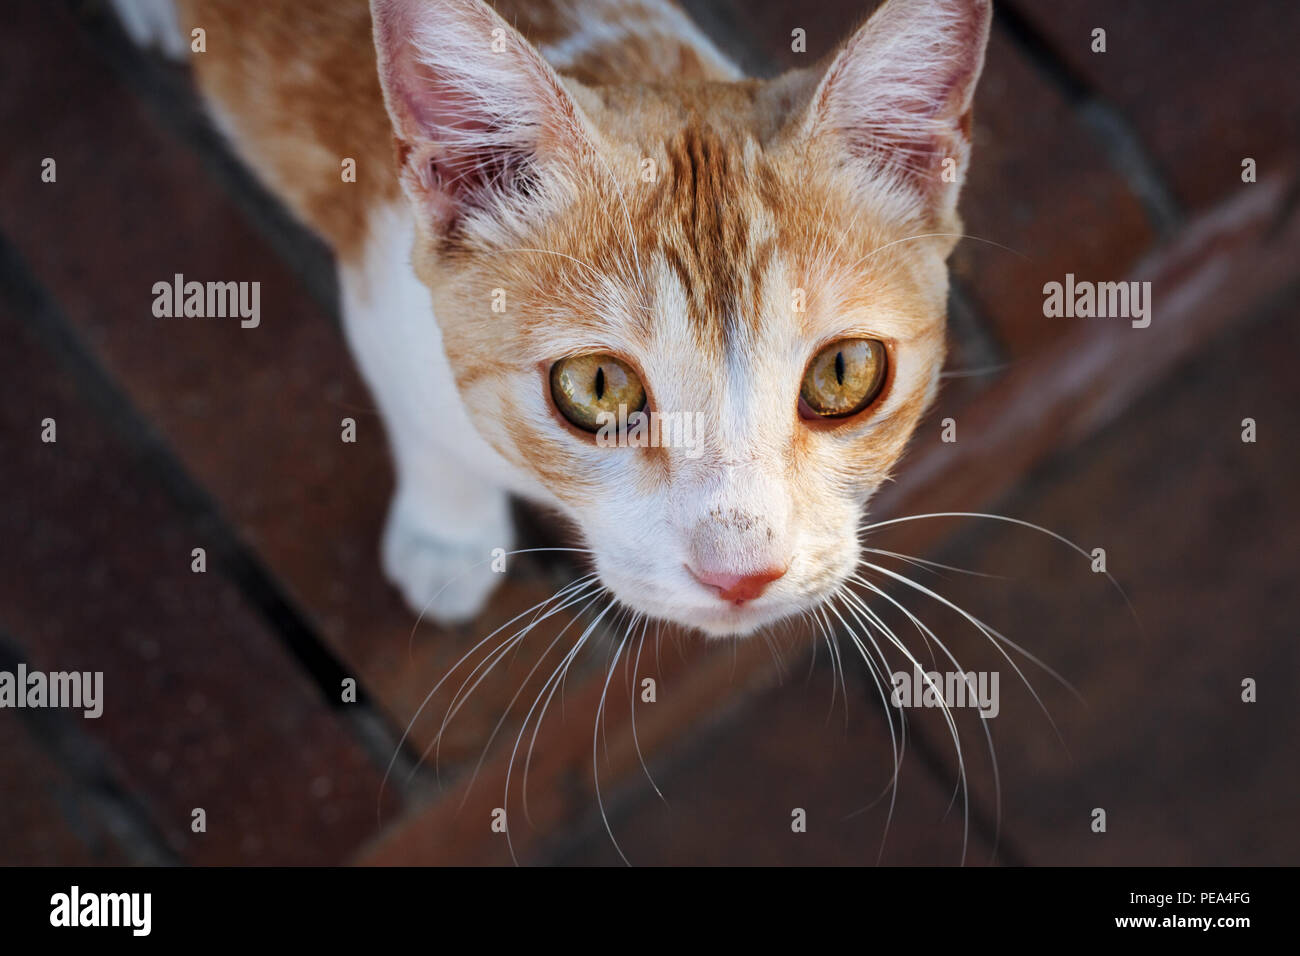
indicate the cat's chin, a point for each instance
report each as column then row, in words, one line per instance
column 730, row 621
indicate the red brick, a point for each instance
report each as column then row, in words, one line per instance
column 1042, row 202
column 253, row 413
column 202, row 706
column 1204, row 83
column 47, row 820
column 730, row 795
column 1198, row 527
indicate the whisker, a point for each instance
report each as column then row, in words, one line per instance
column 595, row 760
column 939, row 235
column 894, row 742
column 975, row 372
column 1024, row 524
column 568, row 658
column 636, row 742
column 931, row 565
column 436, row 687
column 777, row 660
column 590, row 599
column 561, row 670
column 925, row 637
column 826, row 639
column 947, row 713
column 837, row 664
column 996, row 638
column 984, row 724
column 496, row 656
column 410, row 640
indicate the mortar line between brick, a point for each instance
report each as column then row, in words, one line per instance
column 1112, row 131
column 160, row 86
column 126, row 817
column 20, row 290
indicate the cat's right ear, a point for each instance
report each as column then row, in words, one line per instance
column 476, row 112
column 897, row 97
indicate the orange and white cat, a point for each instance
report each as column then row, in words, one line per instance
column 589, row 207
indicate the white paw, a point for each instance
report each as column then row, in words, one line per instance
column 447, row 580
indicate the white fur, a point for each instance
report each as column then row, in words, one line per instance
column 152, row 24
column 734, row 508
column 897, row 90
column 450, row 509
column 595, row 26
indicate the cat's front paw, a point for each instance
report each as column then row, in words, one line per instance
column 442, row 578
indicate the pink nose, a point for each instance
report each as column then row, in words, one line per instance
column 737, row 588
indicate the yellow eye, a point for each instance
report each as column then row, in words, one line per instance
column 586, row 386
column 843, row 378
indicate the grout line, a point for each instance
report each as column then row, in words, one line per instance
column 166, row 89
column 225, row 549
column 1120, row 141
column 966, row 324
column 125, row 817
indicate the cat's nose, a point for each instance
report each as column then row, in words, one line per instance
column 737, row 588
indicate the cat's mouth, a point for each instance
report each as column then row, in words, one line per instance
column 715, row 616
column 736, row 620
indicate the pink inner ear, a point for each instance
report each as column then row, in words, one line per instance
column 467, row 117
column 901, row 90
column 468, row 153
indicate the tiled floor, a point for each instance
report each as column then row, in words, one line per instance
column 228, row 684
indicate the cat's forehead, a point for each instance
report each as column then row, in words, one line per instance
column 704, row 236
column 712, row 237
column 726, row 245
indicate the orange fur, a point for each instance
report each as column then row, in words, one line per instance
column 296, row 82
column 627, row 192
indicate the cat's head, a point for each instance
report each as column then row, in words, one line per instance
column 758, row 266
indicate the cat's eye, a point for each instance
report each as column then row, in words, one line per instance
column 588, row 387
column 843, row 378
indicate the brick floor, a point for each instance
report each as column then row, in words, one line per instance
column 1107, row 166
column 1206, row 84
column 1195, row 525
column 202, row 706
column 730, row 798
column 47, row 816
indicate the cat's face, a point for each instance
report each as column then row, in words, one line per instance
column 757, row 268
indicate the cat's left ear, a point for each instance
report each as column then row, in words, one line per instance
column 477, row 112
column 897, row 97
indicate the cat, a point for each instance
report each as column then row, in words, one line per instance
column 568, row 212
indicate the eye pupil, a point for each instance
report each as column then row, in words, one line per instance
column 842, row 379
column 588, row 388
